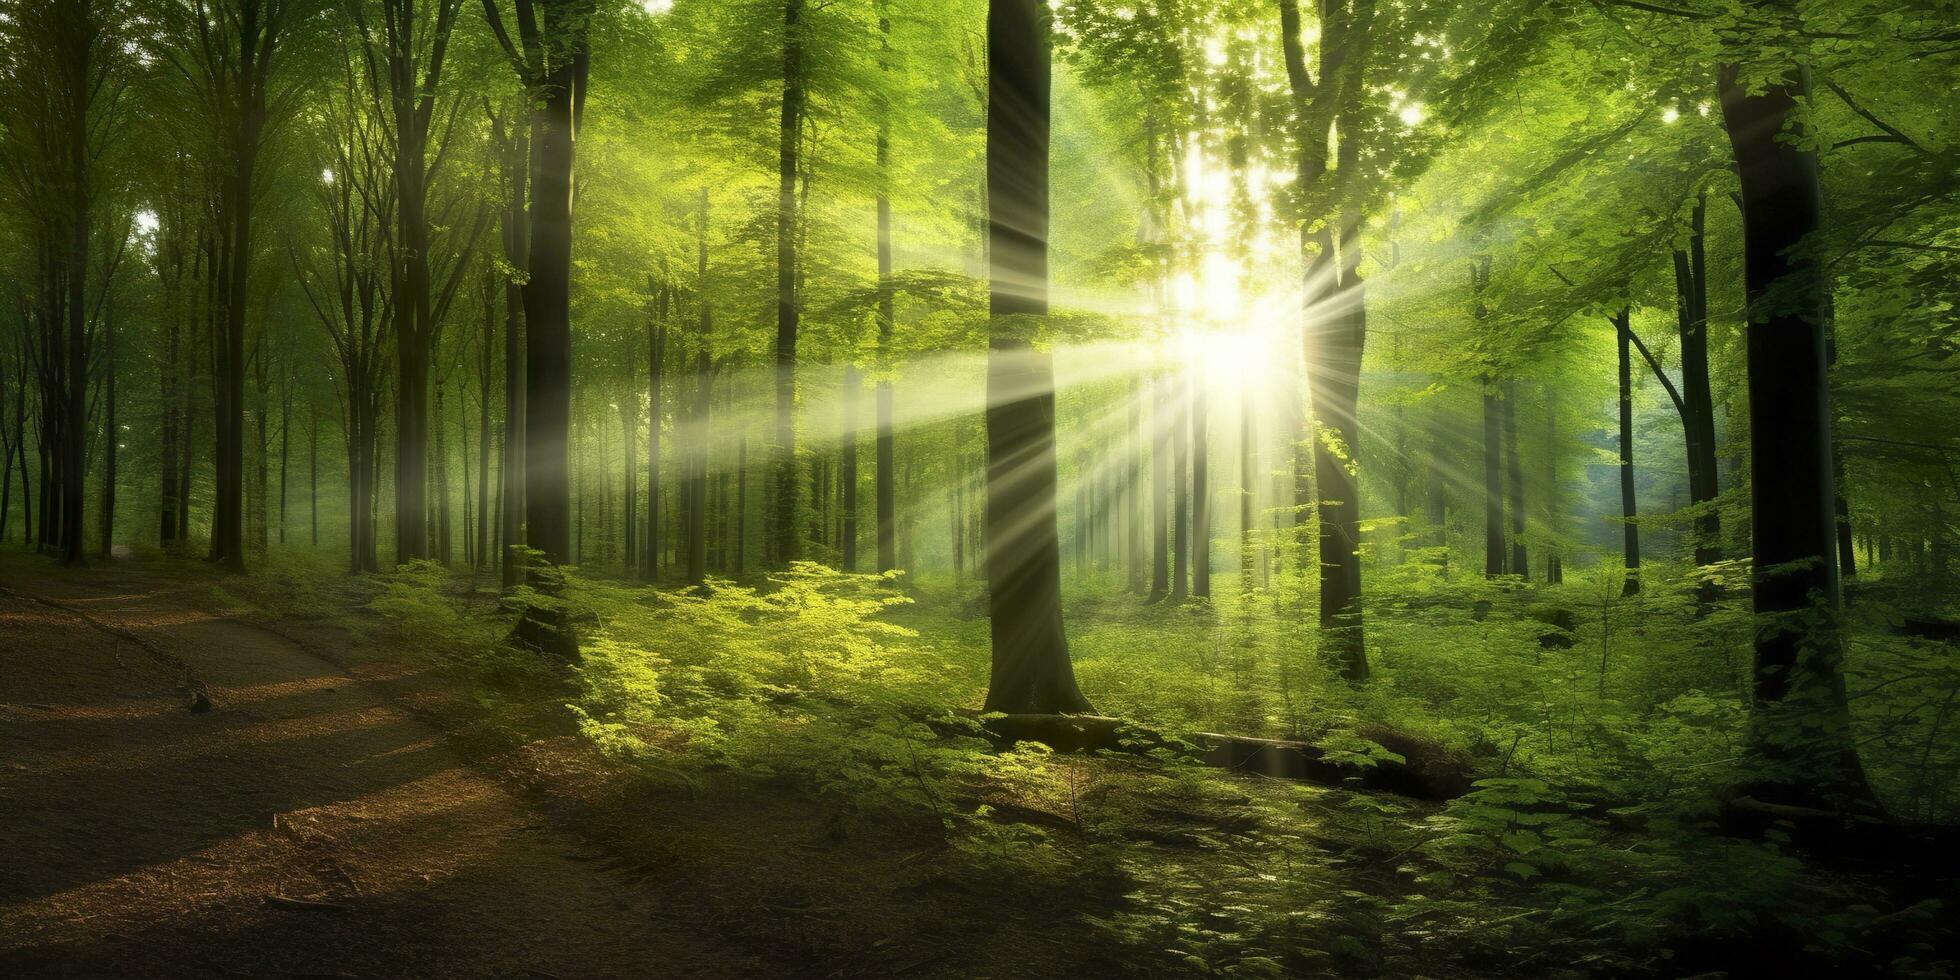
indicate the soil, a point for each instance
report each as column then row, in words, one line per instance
column 188, row 792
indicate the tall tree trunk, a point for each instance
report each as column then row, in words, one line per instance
column 516, row 231
column 785, row 538
column 313, row 474
column 485, row 380
column 1134, row 502
column 1161, row 419
column 629, row 420
column 1180, row 483
column 1200, row 490
column 656, row 362
column 884, row 504
column 1799, row 689
column 1514, row 481
column 547, row 295
column 167, row 532
column 1847, row 561
column 1494, row 556
column 257, row 34
column 1629, row 512
column 74, row 425
column 1031, row 667
column 1554, row 567
column 1698, row 416
column 440, row 462
column 847, row 466
column 110, row 436
column 697, row 444
column 285, row 445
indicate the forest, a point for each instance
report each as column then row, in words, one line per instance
column 979, row 488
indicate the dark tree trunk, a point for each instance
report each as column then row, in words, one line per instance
column 547, row 295
column 785, row 541
column 1248, row 479
column 1847, row 560
column 885, row 504
column 1200, row 492
column 1799, row 688
column 440, row 462
column 1554, row 567
column 515, row 149
column 697, row 443
column 109, row 433
column 1161, row 420
column 629, row 420
column 1494, row 555
column 313, row 474
column 656, row 362
column 485, row 381
column 248, row 77
column 167, row 532
column 1031, row 667
column 1180, row 439
column 1698, row 406
column 1514, row 482
column 285, row 445
column 847, row 467
column 1629, row 511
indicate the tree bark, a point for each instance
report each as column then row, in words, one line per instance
column 1180, row 440
column 1698, row 416
column 547, row 294
column 1031, row 670
column 1803, row 716
column 109, row 433
column 1514, row 481
column 1629, row 511
column 697, row 467
column 1494, row 554
column 885, row 504
column 785, row 540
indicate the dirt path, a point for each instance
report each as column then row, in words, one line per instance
column 305, row 825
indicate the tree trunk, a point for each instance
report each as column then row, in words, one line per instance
column 167, row 532
column 1803, row 717
column 1514, row 480
column 1031, row 671
column 110, row 437
column 515, row 226
column 1494, row 555
column 1161, row 420
column 697, row 444
column 656, row 361
column 885, row 505
column 785, row 540
column 1698, row 417
column 547, row 295
column 485, row 380
column 285, row 445
column 1200, row 490
column 1554, row 567
column 313, row 473
column 1629, row 512
column 1180, row 439
column 847, row 467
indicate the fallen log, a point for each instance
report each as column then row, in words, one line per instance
column 1425, row 769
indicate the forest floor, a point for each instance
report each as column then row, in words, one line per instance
column 338, row 812
column 212, row 776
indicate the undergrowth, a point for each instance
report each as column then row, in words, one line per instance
column 1602, row 725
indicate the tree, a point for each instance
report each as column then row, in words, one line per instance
column 1799, row 689
column 1031, row 667
column 227, row 52
column 553, row 62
